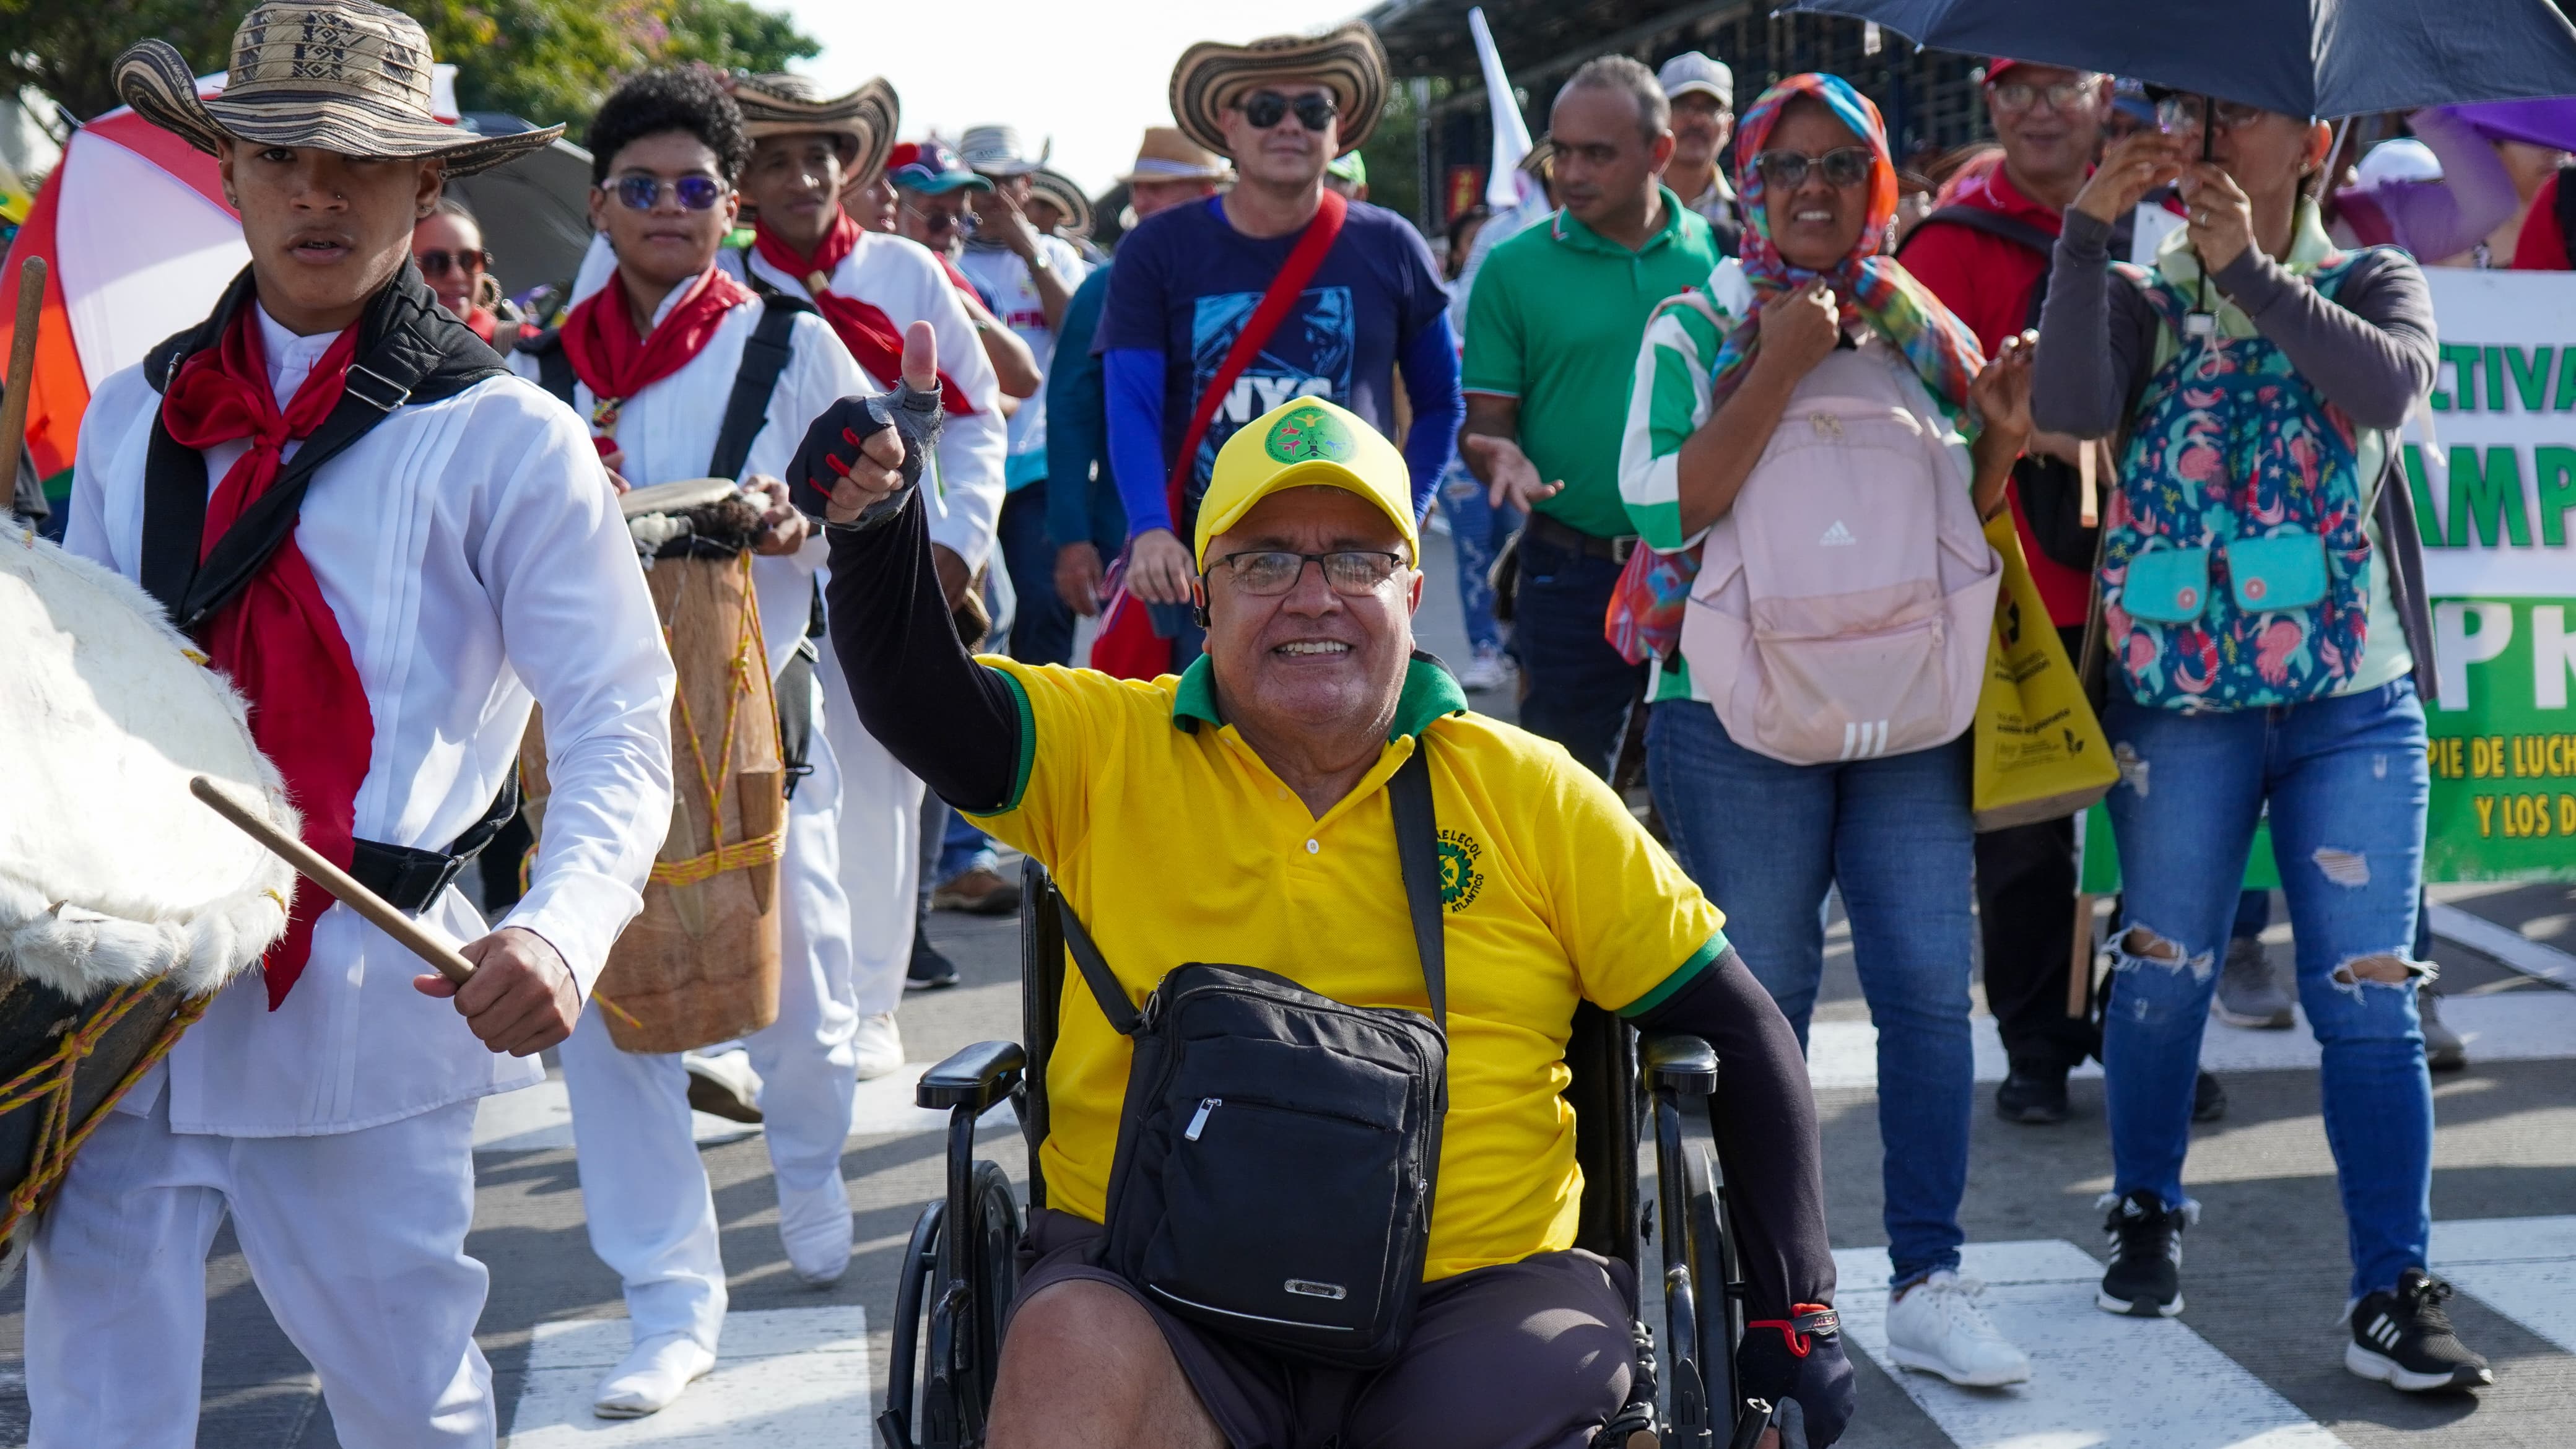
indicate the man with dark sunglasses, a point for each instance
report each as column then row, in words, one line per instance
column 1190, row 279
column 651, row 361
column 1553, row 329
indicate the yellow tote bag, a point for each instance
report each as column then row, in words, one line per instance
column 2041, row 754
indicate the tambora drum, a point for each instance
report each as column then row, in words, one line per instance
column 700, row 964
column 124, row 903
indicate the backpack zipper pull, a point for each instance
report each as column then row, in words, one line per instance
column 1198, row 1121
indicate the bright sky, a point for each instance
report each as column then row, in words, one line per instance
column 1092, row 75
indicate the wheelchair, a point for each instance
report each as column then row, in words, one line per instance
column 960, row 1267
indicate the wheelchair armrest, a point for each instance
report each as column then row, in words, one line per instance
column 976, row 1077
column 1682, row 1064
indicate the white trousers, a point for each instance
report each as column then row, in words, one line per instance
column 880, row 846
column 356, row 1240
column 650, row 1211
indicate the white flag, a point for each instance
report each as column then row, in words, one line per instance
column 1504, row 184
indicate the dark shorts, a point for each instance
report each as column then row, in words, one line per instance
column 1536, row 1354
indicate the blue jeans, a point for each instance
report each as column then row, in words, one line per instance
column 2346, row 781
column 1477, row 530
column 1579, row 689
column 1041, row 626
column 962, row 848
column 1764, row 840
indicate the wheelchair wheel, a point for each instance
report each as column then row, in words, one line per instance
column 949, row 1302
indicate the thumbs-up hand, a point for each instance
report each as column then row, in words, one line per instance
column 863, row 454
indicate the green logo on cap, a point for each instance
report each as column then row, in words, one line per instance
column 1310, row 433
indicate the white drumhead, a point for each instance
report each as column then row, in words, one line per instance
column 109, row 869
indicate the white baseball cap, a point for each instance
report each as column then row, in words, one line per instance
column 2403, row 159
column 1693, row 71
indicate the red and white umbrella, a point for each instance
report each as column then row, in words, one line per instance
column 137, row 243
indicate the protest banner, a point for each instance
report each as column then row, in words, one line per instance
column 2490, row 463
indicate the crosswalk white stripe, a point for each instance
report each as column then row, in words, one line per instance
column 2512, row 1026
column 2523, row 1268
column 2097, row 1381
column 785, row 1378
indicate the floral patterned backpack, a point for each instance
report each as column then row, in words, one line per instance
column 2235, row 573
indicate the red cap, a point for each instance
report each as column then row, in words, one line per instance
column 1998, row 64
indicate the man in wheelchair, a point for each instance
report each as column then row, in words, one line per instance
column 1268, row 807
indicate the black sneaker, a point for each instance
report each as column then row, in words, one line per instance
column 2145, row 1277
column 2208, row 1098
column 2404, row 1339
column 2035, row 1093
column 930, row 970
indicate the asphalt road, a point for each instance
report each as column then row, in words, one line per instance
column 2256, row 1361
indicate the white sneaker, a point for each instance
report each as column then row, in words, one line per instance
column 652, row 1376
column 814, row 1227
column 723, row 1084
column 1937, row 1327
column 1485, row 670
column 877, row 1046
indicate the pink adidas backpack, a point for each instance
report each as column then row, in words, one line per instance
column 1843, row 603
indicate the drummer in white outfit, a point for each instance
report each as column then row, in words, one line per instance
column 902, row 280
column 651, row 1213
column 469, row 552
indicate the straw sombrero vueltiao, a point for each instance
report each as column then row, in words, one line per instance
column 789, row 105
column 1059, row 188
column 1347, row 60
column 336, row 75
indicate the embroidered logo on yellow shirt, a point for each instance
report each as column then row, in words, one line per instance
column 1459, row 878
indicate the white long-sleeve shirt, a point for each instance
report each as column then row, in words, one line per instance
column 903, row 280
column 472, row 552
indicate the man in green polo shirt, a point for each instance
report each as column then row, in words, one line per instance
column 1553, row 329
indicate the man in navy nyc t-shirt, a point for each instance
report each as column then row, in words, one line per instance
column 1186, row 283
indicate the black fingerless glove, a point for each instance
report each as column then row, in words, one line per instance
column 1800, row 1361
column 834, row 439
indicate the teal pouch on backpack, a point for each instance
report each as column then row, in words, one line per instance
column 2167, row 585
column 2284, row 571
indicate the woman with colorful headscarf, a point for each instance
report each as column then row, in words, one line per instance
column 1813, row 304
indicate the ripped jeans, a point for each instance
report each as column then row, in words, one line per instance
column 2346, row 780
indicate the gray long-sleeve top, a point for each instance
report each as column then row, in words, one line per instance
column 2370, row 351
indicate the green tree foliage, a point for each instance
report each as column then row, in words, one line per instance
column 546, row 60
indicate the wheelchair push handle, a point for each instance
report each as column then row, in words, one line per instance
column 1684, row 1065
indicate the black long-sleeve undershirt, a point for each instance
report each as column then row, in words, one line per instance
column 1764, row 1120
column 955, row 724
column 948, row 719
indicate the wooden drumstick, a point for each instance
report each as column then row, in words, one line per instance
column 345, row 889
column 22, row 372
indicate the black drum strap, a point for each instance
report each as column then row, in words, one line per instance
column 765, row 355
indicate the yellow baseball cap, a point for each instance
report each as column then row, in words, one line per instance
column 1305, row 442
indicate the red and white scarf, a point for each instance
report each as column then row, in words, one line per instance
column 599, row 341
column 278, row 640
column 873, row 338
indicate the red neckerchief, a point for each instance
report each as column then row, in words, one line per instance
column 871, row 335
column 278, row 640
column 599, row 341
column 480, row 321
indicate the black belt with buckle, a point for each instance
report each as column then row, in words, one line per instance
column 1574, row 540
column 409, row 879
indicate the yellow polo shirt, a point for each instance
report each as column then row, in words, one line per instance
column 1174, row 843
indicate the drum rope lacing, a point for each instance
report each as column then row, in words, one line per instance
column 50, row 1082
column 743, row 854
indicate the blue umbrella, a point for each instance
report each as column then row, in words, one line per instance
column 2302, row 57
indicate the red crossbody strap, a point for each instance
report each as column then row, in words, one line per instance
column 1294, row 274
